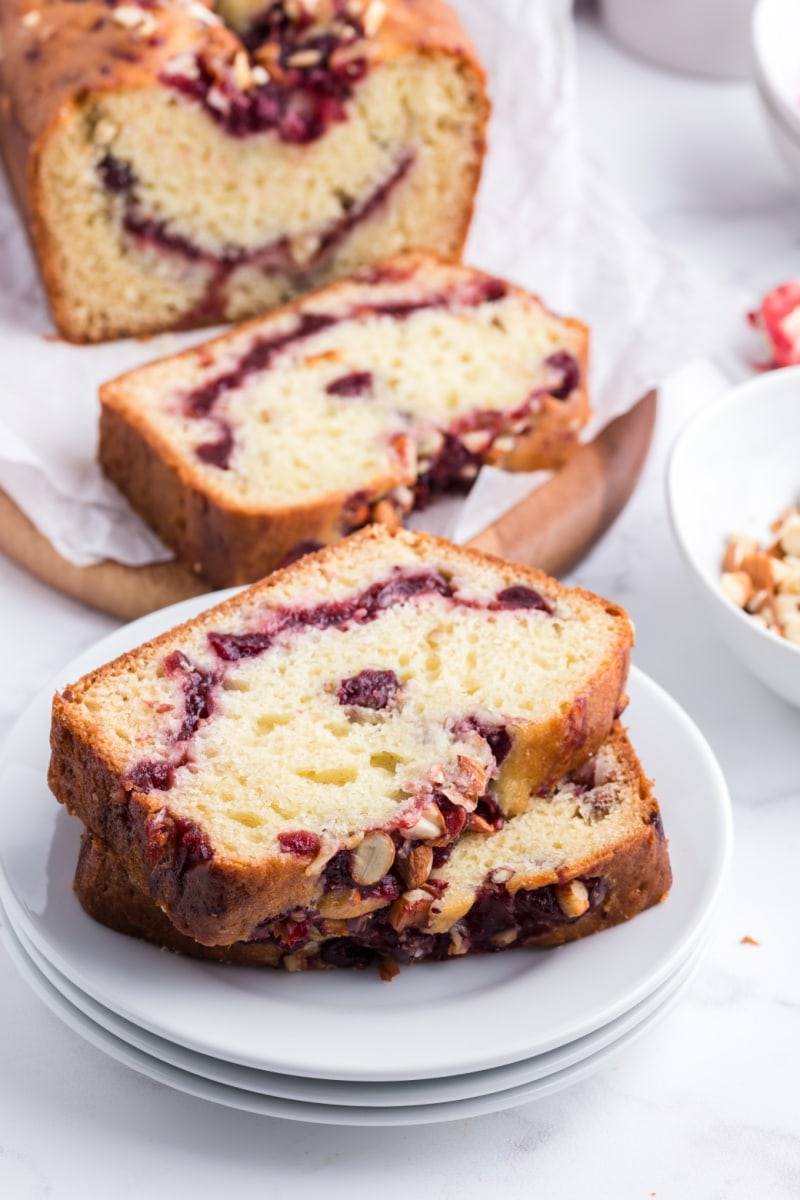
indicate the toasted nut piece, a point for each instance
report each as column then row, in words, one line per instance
column 737, row 586
column 259, row 75
column 759, row 601
column 373, row 17
column 412, row 908
column 385, row 513
column 458, row 943
column 295, row 962
column 414, row 865
column 789, row 534
column 786, row 608
column 428, row 826
column 476, row 440
column 787, row 575
column 739, row 545
column 759, row 567
column 304, row 58
column 477, row 824
column 347, row 903
column 504, row 444
column 241, row 71
column 334, row 928
column 501, row 875
column 430, row 443
column 372, row 858
column 504, row 937
column 791, row 631
column 388, row 969
column 572, row 897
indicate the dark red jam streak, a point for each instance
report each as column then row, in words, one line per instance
column 298, row 102
column 358, row 383
column 200, row 402
column 274, row 257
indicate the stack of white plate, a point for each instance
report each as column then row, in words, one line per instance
column 441, row 1041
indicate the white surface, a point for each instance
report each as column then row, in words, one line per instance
column 776, row 70
column 333, row 1092
column 707, row 37
column 342, row 1025
column 575, row 240
column 734, row 470
column 311, row 1111
column 702, row 1108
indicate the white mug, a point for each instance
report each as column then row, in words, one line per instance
column 702, row 37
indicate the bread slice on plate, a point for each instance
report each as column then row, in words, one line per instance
column 351, row 405
column 393, row 690
column 588, row 853
column 181, row 164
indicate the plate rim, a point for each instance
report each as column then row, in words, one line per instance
column 310, row 1112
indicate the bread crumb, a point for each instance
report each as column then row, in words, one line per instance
column 748, row 941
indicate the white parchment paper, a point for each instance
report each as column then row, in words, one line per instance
column 545, row 218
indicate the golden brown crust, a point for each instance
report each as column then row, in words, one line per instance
column 57, row 55
column 223, row 900
column 229, row 542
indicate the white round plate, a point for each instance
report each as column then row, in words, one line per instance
column 330, row 1091
column 440, row 1019
column 315, row 1112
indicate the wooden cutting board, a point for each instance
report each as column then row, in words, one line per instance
column 552, row 528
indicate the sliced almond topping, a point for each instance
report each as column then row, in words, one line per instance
column 504, row 937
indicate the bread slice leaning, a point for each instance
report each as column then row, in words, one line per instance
column 351, row 405
column 588, row 854
column 395, row 687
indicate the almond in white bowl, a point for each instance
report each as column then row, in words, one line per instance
column 732, row 472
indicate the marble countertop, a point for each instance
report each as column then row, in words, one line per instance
column 705, row 1105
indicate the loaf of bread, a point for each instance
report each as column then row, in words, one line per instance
column 180, row 162
column 346, row 406
column 588, row 854
column 390, row 691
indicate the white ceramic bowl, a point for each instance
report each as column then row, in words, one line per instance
column 702, row 37
column 776, row 69
column 733, row 470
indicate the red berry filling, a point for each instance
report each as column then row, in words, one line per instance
column 369, row 689
column 311, row 75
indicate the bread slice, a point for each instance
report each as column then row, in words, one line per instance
column 347, row 406
column 180, row 164
column 588, row 854
column 393, row 685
